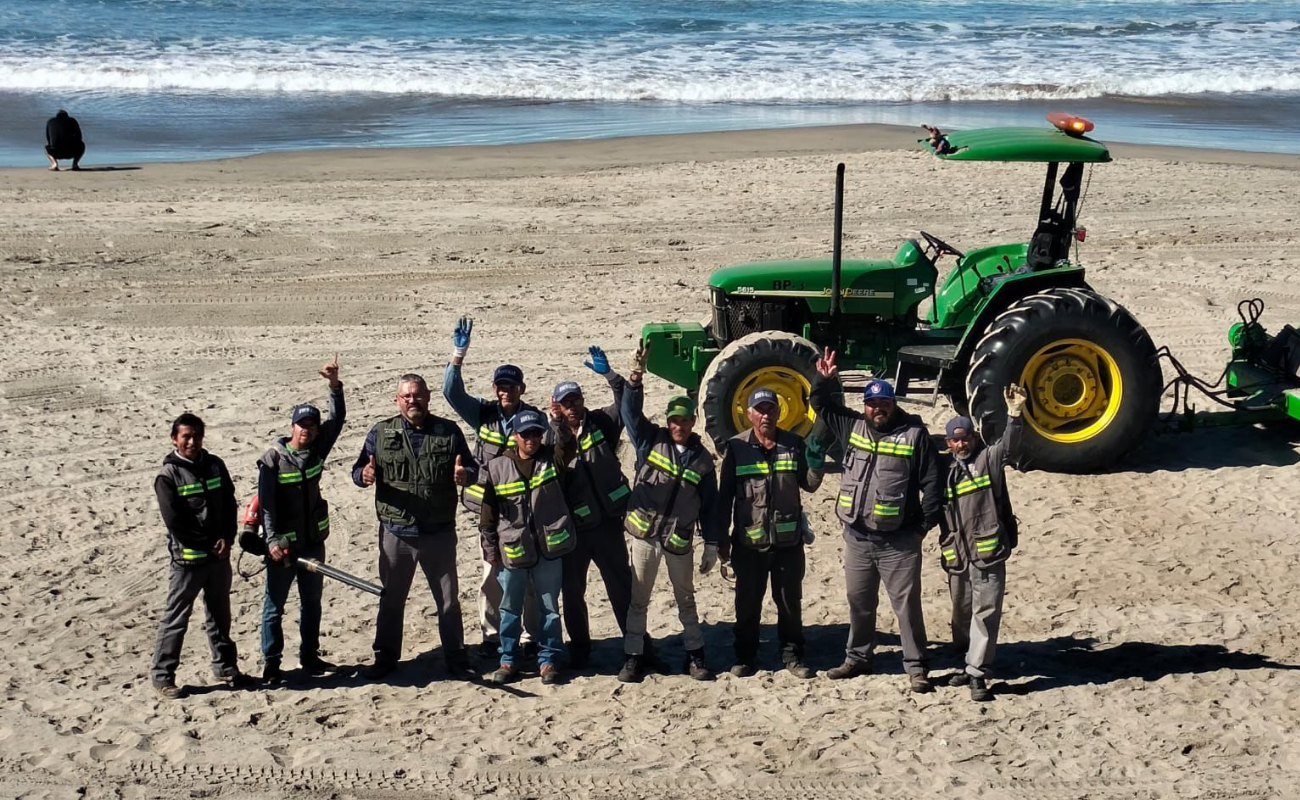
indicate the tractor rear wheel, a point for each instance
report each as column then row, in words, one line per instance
column 1090, row 371
column 782, row 362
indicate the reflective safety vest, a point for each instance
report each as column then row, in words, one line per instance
column 490, row 441
column 665, row 503
column 302, row 516
column 415, row 489
column 201, row 487
column 979, row 525
column 533, row 518
column 600, row 488
column 877, row 482
column 768, row 503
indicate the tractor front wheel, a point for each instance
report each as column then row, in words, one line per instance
column 782, row 362
column 1090, row 371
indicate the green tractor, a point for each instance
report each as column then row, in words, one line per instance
column 1006, row 313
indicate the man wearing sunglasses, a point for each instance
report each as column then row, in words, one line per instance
column 978, row 534
column 295, row 521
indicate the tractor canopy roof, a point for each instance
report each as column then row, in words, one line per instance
column 1019, row 144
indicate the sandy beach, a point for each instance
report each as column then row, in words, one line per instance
column 1151, row 646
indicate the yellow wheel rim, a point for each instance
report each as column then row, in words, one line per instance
column 1075, row 390
column 791, row 390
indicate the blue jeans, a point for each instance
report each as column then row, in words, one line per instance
column 547, row 578
column 278, row 581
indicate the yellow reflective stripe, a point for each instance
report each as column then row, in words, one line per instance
column 538, row 480
column 641, row 524
column 986, row 545
column 476, row 490
column 192, row 555
column 861, row 442
column 677, row 541
column 508, row 489
column 751, row 469
column 691, row 475
column 558, row 538
column 323, row 524
column 514, row 551
column 884, row 448
column 187, row 489
column 591, row 440
column 755, row 533
column 968, row 486
column 950, row 554
column 490, row 436
column 213, row 483
column 315, row 469
column 661, row 461
column 619, row 493
column 785, row 465
column 846, row 500
column 583, row 511
column 883, row 510
column 290, row 477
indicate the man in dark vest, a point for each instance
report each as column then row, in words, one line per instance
column 525, row 529
column 674, row 494
column 492, row 422
column 890, row 496
column 600, row 492
column 415, row 461
column 759, row 519
column 978, row 534
column 296, row 522
column 197, row 501
column 63, row 140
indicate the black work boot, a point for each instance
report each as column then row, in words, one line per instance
column 959, row 679
column 797, row 668
column 920, row 683
column 849, row 669
column 315, row 665
column 271, row 672
column 632, row 671
column 695, row 666
column 980, row 691
column 743, row 669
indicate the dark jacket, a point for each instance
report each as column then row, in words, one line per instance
column 288, row 505
column 560, row 454
column 197, row 501
column 63, row 134
column 978, row 524
column 759, row 494
column 598, row 486
column 921, row 492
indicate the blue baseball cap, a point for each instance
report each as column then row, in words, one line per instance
column 877, row 389
column 508, row 373
column 304, row 412
column 565, row 388
column 959, row 427
column 760, row 396
column 529, row 420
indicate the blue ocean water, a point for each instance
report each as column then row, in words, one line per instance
column 182, row 79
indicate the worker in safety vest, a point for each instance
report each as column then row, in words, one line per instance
column 197, row 501
column 296, row 522
column 492, row 422
column 978, row 532
column 600, row 491
column 525, row 528
column 759, row 519
column 675, row 492
column 890, row 496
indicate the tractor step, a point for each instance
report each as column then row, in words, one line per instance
column 934, row 359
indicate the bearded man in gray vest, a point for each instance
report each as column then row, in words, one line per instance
column 978, row 532
column 891, row 495
column 415, row 461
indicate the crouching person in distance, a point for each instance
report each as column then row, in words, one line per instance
column 978, row 534
column 295, row 522
column 675, row 491
column 759, row 520
column 525, row 527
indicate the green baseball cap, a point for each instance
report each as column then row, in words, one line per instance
column 681, row 406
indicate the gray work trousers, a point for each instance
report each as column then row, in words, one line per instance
column 489, row 608
column 183, row 587
column 895, row 560
column 435, row 553
column 646, row 556
column 977, row 613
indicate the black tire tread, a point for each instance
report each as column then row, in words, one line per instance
column 740, row 358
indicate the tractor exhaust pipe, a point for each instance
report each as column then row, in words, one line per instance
column 836, row 248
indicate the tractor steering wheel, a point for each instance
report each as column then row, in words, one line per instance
column 940, row 246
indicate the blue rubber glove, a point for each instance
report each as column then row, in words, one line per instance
column 598, row 364
column 460, row 337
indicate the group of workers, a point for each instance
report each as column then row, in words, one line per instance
column 551, row 498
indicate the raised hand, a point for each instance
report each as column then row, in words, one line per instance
column 461, row 475
column 461, row 336
column 369, row 473
column 826, row 366
column 598, row 364
column 1015, row 397
column 330, row 372
column 638, row 360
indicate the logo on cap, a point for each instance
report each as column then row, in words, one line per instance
column 528, row 420
column 508, row 373
column 760, row 396
column 564, row 389
column 878, row 390
column 304, row 411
